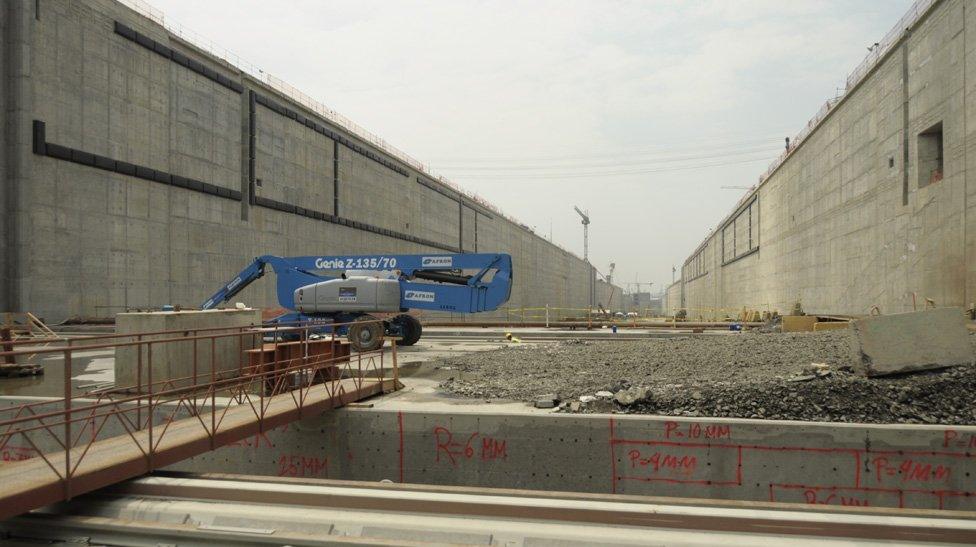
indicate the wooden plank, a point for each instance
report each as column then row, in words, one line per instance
column 798, row 323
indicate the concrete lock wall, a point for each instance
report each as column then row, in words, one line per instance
column 854, row 217
column 841, row 464
column 672, row 298
column 913, row 466
column 142, row 171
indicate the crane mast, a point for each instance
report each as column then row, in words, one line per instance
column 586, row 232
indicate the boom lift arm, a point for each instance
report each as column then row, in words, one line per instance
column 424, row 282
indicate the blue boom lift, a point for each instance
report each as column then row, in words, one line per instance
column 347, row 289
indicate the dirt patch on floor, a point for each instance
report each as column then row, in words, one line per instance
column 742, row 376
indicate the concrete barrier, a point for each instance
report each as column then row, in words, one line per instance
column 841, row 464
column 904, row 342
column 912, row 466
column 176, row 359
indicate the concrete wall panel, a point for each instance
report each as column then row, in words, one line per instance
column 94, row 241
column 886, row 466
column 911, row 466
column 838, row 232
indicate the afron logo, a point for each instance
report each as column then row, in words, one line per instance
column 437, row 261
column 419, row 296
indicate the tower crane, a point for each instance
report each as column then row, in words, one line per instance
column 586, row 232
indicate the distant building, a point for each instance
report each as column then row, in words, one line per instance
column 646, row 303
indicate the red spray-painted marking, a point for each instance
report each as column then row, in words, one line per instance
column 695, row 430
column 900, row 468
column 492, row 449
column 656, row 462
column 799, row 448
column 909, row 470
column 12, row 453
column 676, row 463
column 258, row 440
column 899, row 493
column 951, row 438
column 811, row 496
column 299, row 465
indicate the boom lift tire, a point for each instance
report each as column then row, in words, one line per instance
column 411, row 328
column 366, row 334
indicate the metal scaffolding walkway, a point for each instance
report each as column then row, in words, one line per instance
column 86, row 441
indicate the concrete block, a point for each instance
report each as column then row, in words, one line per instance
column 175, row 360
column 905, row 342
column 798, row 323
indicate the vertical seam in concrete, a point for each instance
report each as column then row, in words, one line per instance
column 335, row 177
column 904, row 119
column 245, row 154
column 965, row 171
column 170, row 192
column 252, row 124
column 6, row 182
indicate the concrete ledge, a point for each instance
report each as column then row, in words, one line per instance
column 900, row 466
column 928, row 467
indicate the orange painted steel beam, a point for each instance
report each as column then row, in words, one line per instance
column 30, row 484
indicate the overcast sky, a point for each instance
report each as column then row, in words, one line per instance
column 636, row 111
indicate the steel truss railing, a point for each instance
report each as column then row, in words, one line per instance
column 145, row 411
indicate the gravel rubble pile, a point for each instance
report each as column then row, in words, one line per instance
column 768, row 376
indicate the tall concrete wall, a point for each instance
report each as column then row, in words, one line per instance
column 16, row 108
column 141, row 171
column 672, row 298
column 5, row 183
column 847, row 222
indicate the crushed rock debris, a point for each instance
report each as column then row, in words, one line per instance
column 792, row 376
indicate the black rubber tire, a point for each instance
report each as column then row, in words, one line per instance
column 411, row 329
column 366, row 334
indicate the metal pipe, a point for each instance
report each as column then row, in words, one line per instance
column 591, row 324
column 442, row 276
